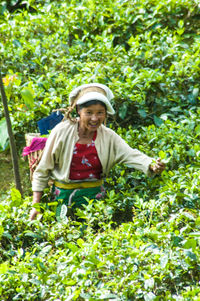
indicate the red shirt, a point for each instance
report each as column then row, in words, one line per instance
column 85, row 162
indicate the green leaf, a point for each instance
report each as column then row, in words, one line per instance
column 86, row 296
column 162, row 155
column 190, row 244
column 29, row 233
column 158, row 121
column 195, row 92
column 72, row 247
column 164, row 261
column 1, row 230
column 53, row 204
column 191, row 153
column 149, row 283
column 191, row 255
column 4, row 267
column 80, row 242
column 142, row 113
column 16, row 197
column 197, row 129
column 181, row 24
column 4, row 138
column 7, row 235
column 149, row 297
column 108, row 296
column 63, row 211
column 28, row 97
column 195, row 234
column 197, row 221
column 123, row 111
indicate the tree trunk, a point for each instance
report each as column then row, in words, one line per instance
column 11, row 138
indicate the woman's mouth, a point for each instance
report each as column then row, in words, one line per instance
column 93, row 124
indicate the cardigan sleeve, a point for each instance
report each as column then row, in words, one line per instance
column 49, row 158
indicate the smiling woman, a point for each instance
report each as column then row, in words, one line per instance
column 80, row 152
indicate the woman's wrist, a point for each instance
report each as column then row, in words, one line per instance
column 37, row 195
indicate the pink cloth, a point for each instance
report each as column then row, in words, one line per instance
column 37, row 143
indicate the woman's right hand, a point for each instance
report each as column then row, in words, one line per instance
column 36, row 199
column 33, row 214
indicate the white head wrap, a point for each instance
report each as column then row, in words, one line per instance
column 94, row 96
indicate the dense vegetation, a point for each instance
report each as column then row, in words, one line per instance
column 143, row 241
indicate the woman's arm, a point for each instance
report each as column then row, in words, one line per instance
column 120, row 152
column 37, row 195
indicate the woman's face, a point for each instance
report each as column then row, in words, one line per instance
column 92, row 117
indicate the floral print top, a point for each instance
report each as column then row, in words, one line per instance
column 85, row 162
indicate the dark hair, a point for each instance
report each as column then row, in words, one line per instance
column 91, row 102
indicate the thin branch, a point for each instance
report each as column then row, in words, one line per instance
column 11, row 137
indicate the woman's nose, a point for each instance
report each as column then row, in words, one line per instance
column 94, row 117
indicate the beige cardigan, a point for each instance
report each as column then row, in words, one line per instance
column 57, row 156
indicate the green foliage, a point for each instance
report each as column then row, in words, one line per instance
column 140, row 243
column 146, row 51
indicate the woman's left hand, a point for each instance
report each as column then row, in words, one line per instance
column 157, row 167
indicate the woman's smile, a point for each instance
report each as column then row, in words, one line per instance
column 94, row 124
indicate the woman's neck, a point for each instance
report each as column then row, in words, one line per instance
column 85, row 136
column 84, row 133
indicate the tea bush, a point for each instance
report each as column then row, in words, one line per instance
column 140, row 243
column 146, row 51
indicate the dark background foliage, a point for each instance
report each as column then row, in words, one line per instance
column 148, row 53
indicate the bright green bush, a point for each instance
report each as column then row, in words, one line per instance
column 140, row 243
column 146, row 51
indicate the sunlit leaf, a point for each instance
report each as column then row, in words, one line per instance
column 4, row 138
column 28, row 97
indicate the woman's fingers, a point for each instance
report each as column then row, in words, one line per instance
column 33, row 214
column 158, row 166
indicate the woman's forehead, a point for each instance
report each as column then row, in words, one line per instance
column 94, row 107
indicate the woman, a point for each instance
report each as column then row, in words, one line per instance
column 80, row 152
